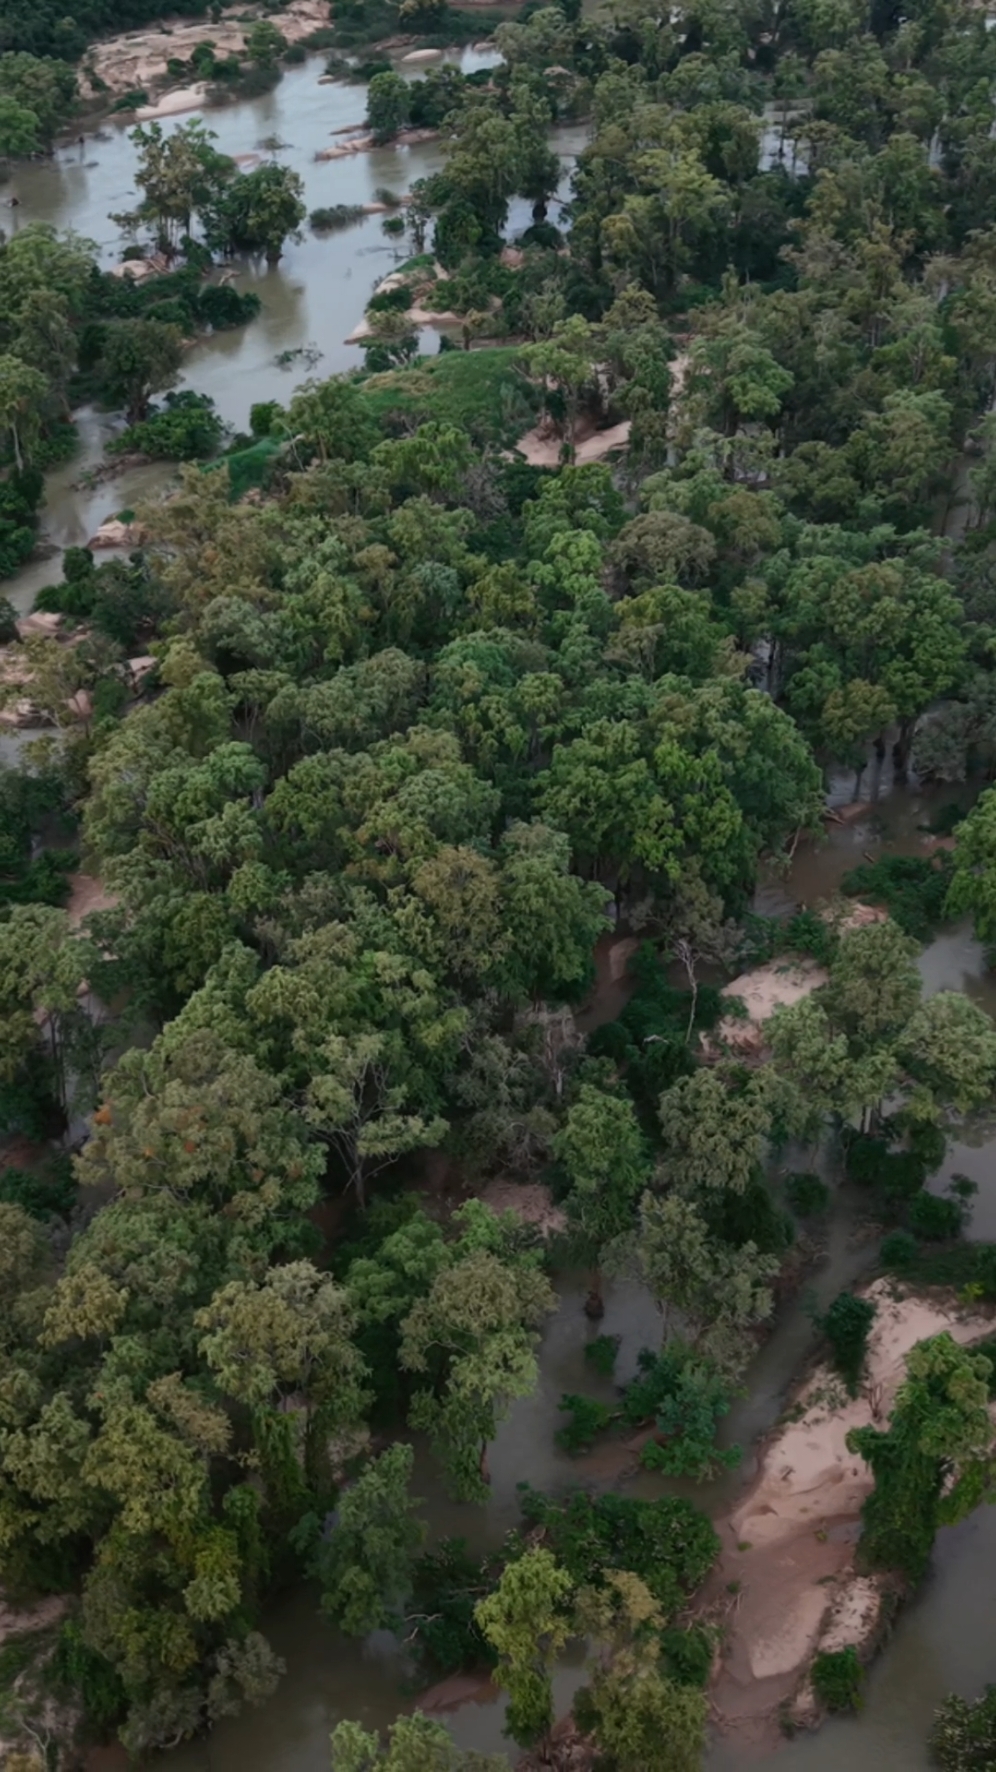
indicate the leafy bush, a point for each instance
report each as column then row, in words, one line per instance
column 963, row 1738
column 49, row 1192
column 337, row 215
column 669, row 1543
column 806, row 1193
column 221, row 307
column 688, row 1654
column 186, row 428
column 586, row 1420
column 686, row 1398
column 847, row 1325
column 935, row 1218
column 913, row 888
column 447, row 1584
column 601, row 1354
column 837, row 1677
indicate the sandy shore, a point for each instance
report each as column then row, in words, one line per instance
column 136, row 60
column 787, row 1563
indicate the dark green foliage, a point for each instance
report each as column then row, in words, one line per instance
column 601, row 1354
column 669, row 1543
column 913, row 889
column 686, row 1398
column 847, row 1325
column 963, row 1737
column 45, row 1193
column 688, row 1654
column 20, row 496
column 586, row 1420
column 935, row 1218
column 388, row 301
column 440, row 1627
column 649, row 1041
column 838, row 1677
column 186, row 428
column 752, row 1216
column 77, row 1671
column 806, row 1193
column 336, row 216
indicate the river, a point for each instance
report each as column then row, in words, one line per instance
column 313, row 299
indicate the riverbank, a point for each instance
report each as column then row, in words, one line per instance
column 788, row 1558
column 139, row 61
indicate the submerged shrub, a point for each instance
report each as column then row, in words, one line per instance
column 838, row 1677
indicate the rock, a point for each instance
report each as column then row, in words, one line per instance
column 115, row 534
column 139, row 668
column 172, row 104
column 45, row 622
column 80, row 705
column 421, row 55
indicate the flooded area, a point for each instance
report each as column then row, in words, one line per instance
column 311, row 302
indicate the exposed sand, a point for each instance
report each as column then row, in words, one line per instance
column 172, row 104
column 87, row 894
column 789, row 1545
column 542, row 445
column 530, row 1201
column 137, row 59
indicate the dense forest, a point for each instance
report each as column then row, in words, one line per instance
column 419, row 725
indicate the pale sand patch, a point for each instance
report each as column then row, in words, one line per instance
column 542, row 447
column 136, row 60
column 87, row 893
column 778, row 984
column 789, row 1546
column 172, row 104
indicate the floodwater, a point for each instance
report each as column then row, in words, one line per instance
column 311, row 302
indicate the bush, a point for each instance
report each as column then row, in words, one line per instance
column 49, row 1192
column 601, row 1354
column 186, row 428
column 688, row 1654
column 446, row 1586
column 221, row 307
column 963, row 1738
column 913, row 889
column 838, row 1677
column 338, row 215
column 936, row 1219
column 587, row 1419
column 668, row 1543
column 686, row 1397
column 847, row 1325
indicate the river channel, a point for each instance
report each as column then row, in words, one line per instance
column 311, row 302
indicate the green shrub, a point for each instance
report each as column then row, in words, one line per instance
column 963, row 1738
column 913, row 889
column 935, row 1218
column 586, row 1420
column 668, row 1543
column 601, row 1354
column 337, row 215
column 686, row 1398
column 838, row 1677
column 688, row 1654
column 446, row 1586
column 847, row 1325
column 186, row 428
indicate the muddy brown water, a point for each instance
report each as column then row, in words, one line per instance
column 314, row 298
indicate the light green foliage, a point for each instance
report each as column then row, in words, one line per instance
column 973, row 888
column 638, row 1715
column 719, row 1292
column 963, row 1736
column 606, row 1158
column 415, row 1744
column 527, row 1622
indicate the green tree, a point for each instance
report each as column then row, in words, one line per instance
column 264, row 43
column 415, row 1744
column 933, row 1463
column 719, row 1293
column 365, row 1560
column 23, row 392
column 257, row 212
column 388, row 105
column 527, row 1622
column 637, row 1714
column 603, row 1150
column 140, row 358
column 963, row 1736
column 20, row 130
column 973, row 884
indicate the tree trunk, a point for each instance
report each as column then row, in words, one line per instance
column 594, row 1304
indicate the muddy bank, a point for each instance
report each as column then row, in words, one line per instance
column 786, row 1582
column 136, row 60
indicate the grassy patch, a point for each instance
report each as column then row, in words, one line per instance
column 481, row 391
